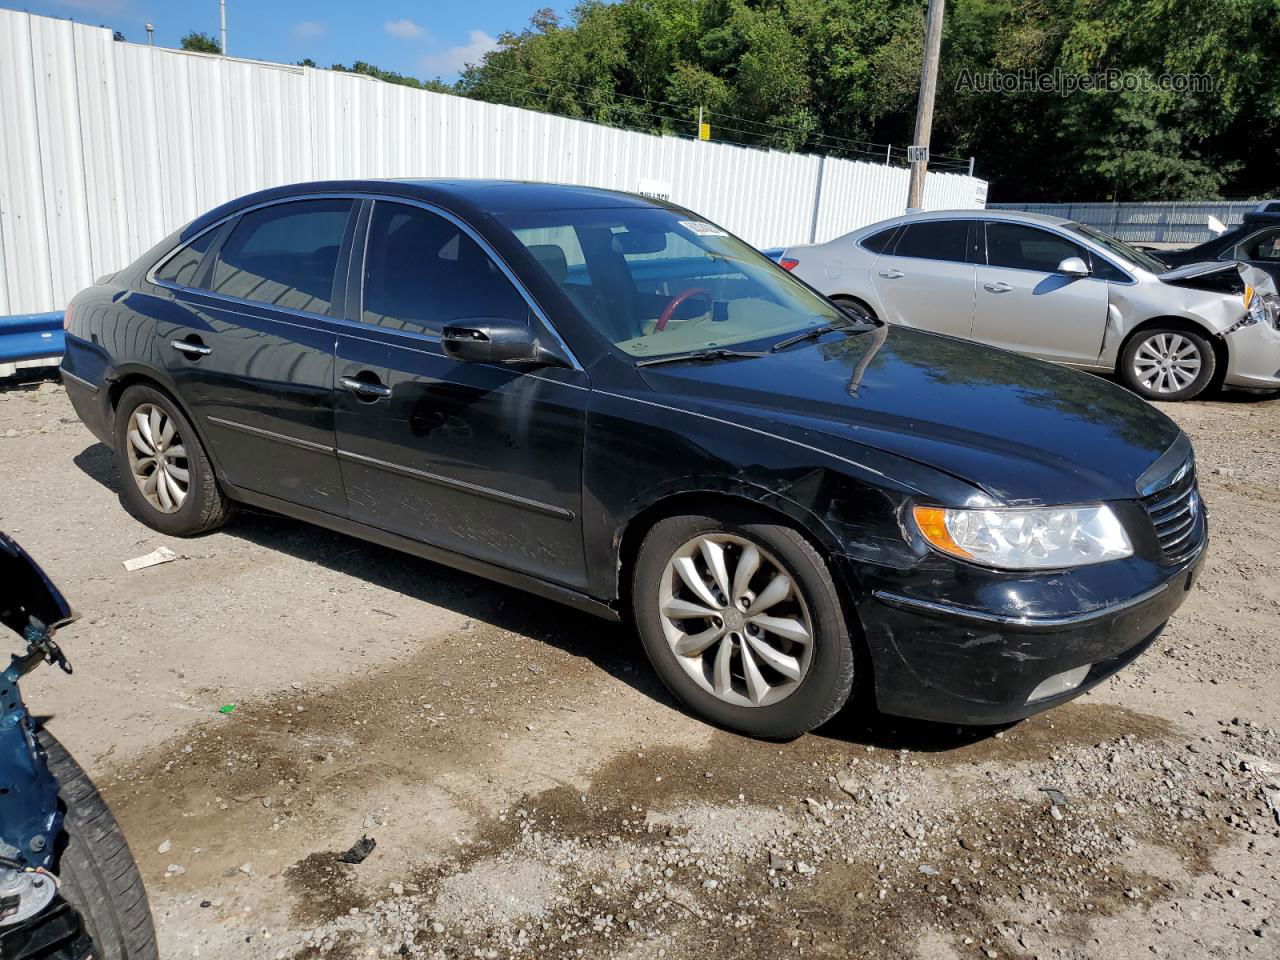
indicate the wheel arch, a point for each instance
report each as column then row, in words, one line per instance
column 861, row 301
column 125, row 377
column 710, row 497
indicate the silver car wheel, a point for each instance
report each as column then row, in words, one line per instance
column 735, row 620
column 1166, row 363
column 157, row 458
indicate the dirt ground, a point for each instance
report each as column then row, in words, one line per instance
column 534, row 792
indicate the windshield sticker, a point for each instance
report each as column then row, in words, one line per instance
column 702, row 229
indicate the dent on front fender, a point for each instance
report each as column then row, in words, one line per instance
column 1131, row 305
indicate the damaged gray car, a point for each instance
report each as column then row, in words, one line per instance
column 1053, row 289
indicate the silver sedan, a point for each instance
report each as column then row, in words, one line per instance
column 1054, row 289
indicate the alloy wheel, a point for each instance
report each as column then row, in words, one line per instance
column 1167, row 363
column 735, row 620
column 158, row 459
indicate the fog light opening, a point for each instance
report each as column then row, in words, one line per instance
column 1059, row 683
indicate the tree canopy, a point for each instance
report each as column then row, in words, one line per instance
column 1193, row 111
column 201, row 43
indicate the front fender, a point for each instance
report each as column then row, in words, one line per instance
column 639, row 454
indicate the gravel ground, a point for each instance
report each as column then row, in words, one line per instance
column 533, row 792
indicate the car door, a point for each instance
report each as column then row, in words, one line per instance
column 927, row 280
column 249, row 352
column 481, row 459
column 1025, row 304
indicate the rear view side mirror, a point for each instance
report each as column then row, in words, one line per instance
column 496, row 340
column 1073, row 267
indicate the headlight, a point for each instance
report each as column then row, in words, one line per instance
column 1260, row 308
column 1026, row 538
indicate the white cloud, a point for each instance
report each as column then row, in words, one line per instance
column 307, row 29
column 450, row 61
column 404, row 29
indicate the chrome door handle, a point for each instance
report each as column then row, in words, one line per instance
column 998, row 287
column 362, row 389
column 892, row 274
column 191, row 349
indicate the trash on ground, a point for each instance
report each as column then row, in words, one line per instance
column 359, row 850
column 1056, row 796
column 227, row 708
column 158, row 555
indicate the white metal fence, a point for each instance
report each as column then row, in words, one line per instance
column 105, row 147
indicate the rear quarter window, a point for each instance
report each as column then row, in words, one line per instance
column 879, row 242
column 182, row 267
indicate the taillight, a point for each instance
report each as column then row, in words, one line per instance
column 787, row 263
column 66, row 317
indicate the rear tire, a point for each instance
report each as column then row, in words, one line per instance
column 152, row 497
column 855, row 306
column 816, row 677
column 98, row 873
column 1168, row 363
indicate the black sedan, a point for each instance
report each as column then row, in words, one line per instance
column 610, row 401
column 1256, row 241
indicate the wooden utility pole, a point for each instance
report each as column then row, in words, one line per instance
column 924, row 108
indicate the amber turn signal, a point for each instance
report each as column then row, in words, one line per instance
column 932, row 522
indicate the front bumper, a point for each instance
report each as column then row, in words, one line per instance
column 936, row 660
column 1253, row 356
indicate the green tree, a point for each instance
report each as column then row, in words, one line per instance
column 831, row 75
column 201, row 43
column 389, row 76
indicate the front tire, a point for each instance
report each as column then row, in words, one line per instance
column 98, row 873
column 743, row 623
column 1168, row 363
column 164, row 470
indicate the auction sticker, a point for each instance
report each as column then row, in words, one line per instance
column 702, row 228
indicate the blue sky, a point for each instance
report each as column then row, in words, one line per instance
column 425, row 39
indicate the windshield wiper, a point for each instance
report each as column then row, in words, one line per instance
column 811, row 334
column 718, row 353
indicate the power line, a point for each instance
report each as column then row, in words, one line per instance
column 862, row 149
column 869, row 146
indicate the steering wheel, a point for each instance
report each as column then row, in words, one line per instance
column 678, row 299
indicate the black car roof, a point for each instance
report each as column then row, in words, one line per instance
column 462, row 196
column 1255, row 217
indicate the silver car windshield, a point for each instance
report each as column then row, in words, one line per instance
column 657, row 282
column 1121, row 249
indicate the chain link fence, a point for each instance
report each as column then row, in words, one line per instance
column 1184, row 224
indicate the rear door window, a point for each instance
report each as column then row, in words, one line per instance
column 284, row 255
column 1028, row 248
column 423, row 272
column 934, row 240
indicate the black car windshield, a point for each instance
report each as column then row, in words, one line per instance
column 1120, row 248
column 657, row 282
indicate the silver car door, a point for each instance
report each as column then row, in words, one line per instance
column 1025, row 304
column 927, row 280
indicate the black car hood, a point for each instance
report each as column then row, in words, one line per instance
column 1022, row 430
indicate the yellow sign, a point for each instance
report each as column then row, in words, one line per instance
column 704, row 131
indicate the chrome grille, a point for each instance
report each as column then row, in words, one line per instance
column 1175, row 511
